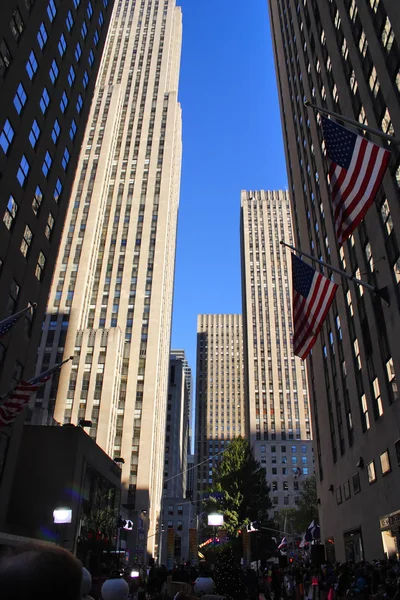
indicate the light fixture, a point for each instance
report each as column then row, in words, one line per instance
column 360, row 464
column 215, row 520
column 62, row 515
column 331, row 488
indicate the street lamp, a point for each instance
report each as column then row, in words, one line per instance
column 215, row 520
column 62, row 515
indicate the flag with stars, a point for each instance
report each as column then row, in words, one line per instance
column 8, row 323
column 313, row 295
column 356, row 170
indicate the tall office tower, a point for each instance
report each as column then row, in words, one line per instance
column 276, row 385
column 111, row 301
column 344, row 55
column 49, row 57
column 220, row 406
column 189, row 385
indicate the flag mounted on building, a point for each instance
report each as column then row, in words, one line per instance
column 8, row 323
column 297, row 472
column 14, row 403
column 313, row 532
column 313, row 295
column 356, row 170
column 283, row 543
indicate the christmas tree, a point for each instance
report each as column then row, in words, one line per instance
column 228, row 576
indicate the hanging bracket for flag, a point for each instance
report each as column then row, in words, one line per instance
column 357, row 124
column 381, row 292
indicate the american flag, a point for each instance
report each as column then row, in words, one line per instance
column 6, row 324
column 15, row 402
column 312, row 296
column 356, row 170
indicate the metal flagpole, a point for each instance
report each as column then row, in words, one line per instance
column 353, row 122
column 382, row 292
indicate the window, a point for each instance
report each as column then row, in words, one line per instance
column 96, row 38
column 56, row 131
column 385, row 462
column 84, row 30
column 40, row 266
column 91, row 58
column 101, row 19
column 6, row 136
column 78, row 52
column 47, row 164
column 51, row 10
column 79, row 104
column 42, row 36
column 85, row 79
column 274, row 486
column 62, row 45
column 371, row 472
column 49, row 226
column 57, row 190
column 69, row 21
column 305, row 470
column 34, row 134
column 20, row 98
column 77, row 3
column 89, row 10
column 72, row 129
column 304, row 449
column 16, row 24
column 37, row 200
column 397, row 448
column 26, row 241
column 377, row 397
column 71, row 76
column 10, row 213
column 44, row 101
column 64, row 102
column 5, row 57
column 364, row 409
column 31, row 65
column 53, row 71
column 65, row 159
column 23, row 170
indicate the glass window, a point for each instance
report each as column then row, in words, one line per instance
column 23, row 170
column 91, row 58
column 371, row 472
column 78, row 52
column 65, row 159
column 71, row 76
column 26, row 241
column 16, row 24
column 6, row 136
column 44, row 101
column 40, row 266
column 385, row 462
column 294, row 449
column 47, row 164
column 51, row 10
column 69, row 21
column 101, row 19
column 49, row 226
column 5, row 58
column 79, row 104
column 31, row 65
column 37, row 200
column 96, row 38
column 89, row 10
column 72, row 129
column 34, row 134
column 56, row 131
column 304, row 449
column 57, row 190
column 84, row 30
column 85, row 79
column 53, row 71
column 42, row 36
column 10, row 213
column 305, row 470
column 77, row 3
column 20, row 98
column 62, row 45
column 64, row 102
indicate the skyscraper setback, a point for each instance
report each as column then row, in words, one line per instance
column 345, row 56
column 111, row 300
column 278, row 420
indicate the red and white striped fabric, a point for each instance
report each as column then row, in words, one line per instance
column 356, row 170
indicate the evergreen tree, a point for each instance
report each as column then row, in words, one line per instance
column 228, row 576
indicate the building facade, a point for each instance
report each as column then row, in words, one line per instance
column 344, row 55
column 278, row 420
column 220, row 401
column 49, row 58
column 110, row 303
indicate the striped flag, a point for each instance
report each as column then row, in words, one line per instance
column 6, row 324
column 15, row 402
column 283, row 543
column 356, row 170
column 313, row 295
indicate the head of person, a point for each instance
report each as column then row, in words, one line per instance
column 115, row 589
column 40, row 571
column 86, row 582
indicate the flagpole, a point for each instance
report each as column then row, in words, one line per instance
column 353, row 122
column 382, row 292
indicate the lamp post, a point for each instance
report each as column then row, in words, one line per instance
column 215, row 520
column 62, row 516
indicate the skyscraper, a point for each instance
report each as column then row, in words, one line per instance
column 111, row 300
column 220, row 406
column 345, row 56
column 50, row 53
column 278, row 421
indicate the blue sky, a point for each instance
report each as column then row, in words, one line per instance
column 232, row 140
